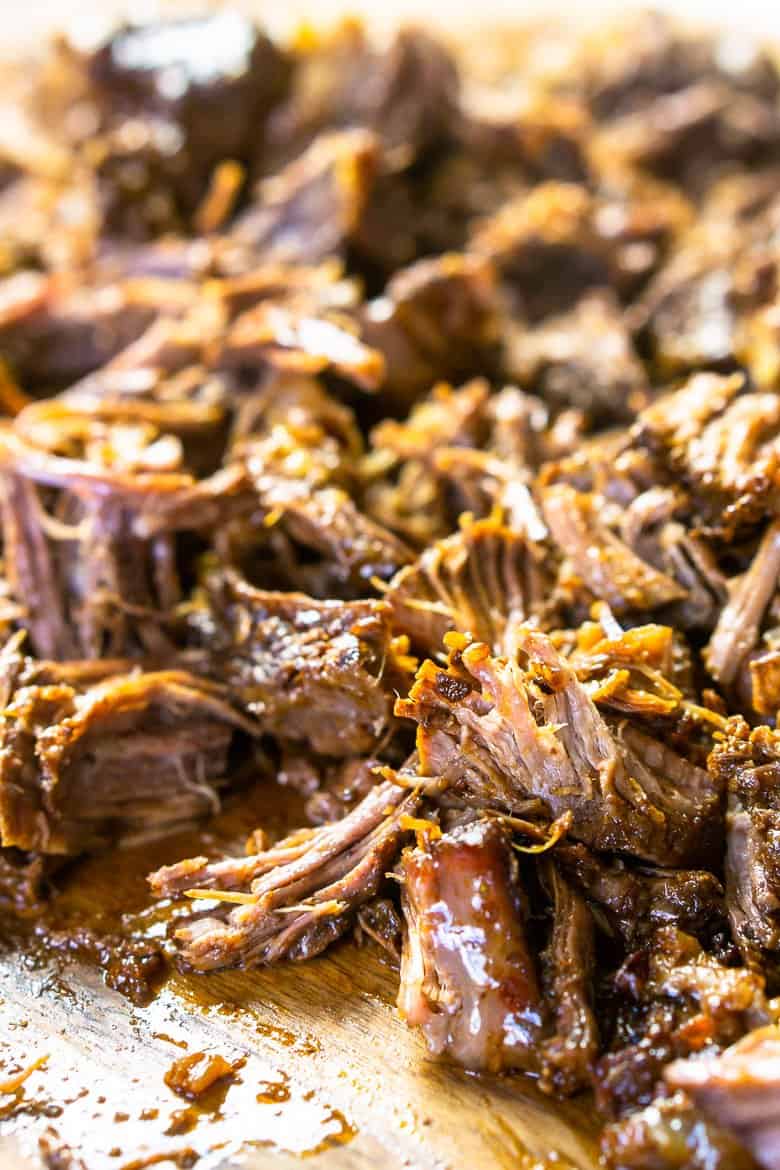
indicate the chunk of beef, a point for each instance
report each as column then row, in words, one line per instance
column 478, row 582
column 692, row 135
column 610, row 569
column 311, row 209
column 296, row 897
column 298, row 459
column 583, row 358
column 501, row 730
column 91, row 578
column 569, row 969
column 656, row 526
column 747, row 764
column 458, row 451
column 436, row 320
column 632, row 902
column 739, row 625
column 406, row 93
column 546, row 249
column 292, row 338
column 628, row 69
column 131, row 758
column 723, row 443
column 738, row 1089
column 176, row 98
column 670, row 1134
column 467, row 973
column 320, row 673
column 673, row 999
column 63, row 333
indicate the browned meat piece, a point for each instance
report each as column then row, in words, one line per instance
column 655, row 525
column 633, row 66
column 310, row 210
column 67, row 332
column 545, row 246
column 638, row 218
column 467, row 973
column 296, row 449
column 747, row 764
column 296, row 897
column 380, row 921
column 739, row 1090
column 478, row 582
column 321, row 673
column 670, row 1134
column 584, row 358
column 463, row 450
column 609, row 568
column 634, row 902
column 345, row 551
column 435, row 320
column 91, row 577
column 686, row 317
column 176, row 98
column 406, row 93
column 739, row 625
column 501, row 730
column 722, row 443
column 569, row 969
column 690, row 136
column 130, row 758
column 673, row 999
column 293, row 339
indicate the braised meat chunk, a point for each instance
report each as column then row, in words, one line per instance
column 503, row 730
column 467, row 973
column 67, row 752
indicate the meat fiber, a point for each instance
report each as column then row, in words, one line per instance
column 467, row 974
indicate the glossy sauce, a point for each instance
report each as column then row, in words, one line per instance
column 319, row 1057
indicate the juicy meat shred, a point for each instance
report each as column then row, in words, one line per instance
column 467, row 972
column 478, row 582
column 746, row 762
column 569, row 968
column 671, row 998
column 66, row 749
column 500, row 730
column 608, row 567
column 299, row 895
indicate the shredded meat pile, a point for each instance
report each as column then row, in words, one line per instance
column 404, row 426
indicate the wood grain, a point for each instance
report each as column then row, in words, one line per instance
column 362, row 1090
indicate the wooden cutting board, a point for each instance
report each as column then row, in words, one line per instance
column 330, row 1074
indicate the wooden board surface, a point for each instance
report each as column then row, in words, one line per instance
column 331, row 1073
column 360, row 1089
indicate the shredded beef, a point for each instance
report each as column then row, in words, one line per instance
column 321, row 355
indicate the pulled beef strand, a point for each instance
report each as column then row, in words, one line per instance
column 298, row 896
